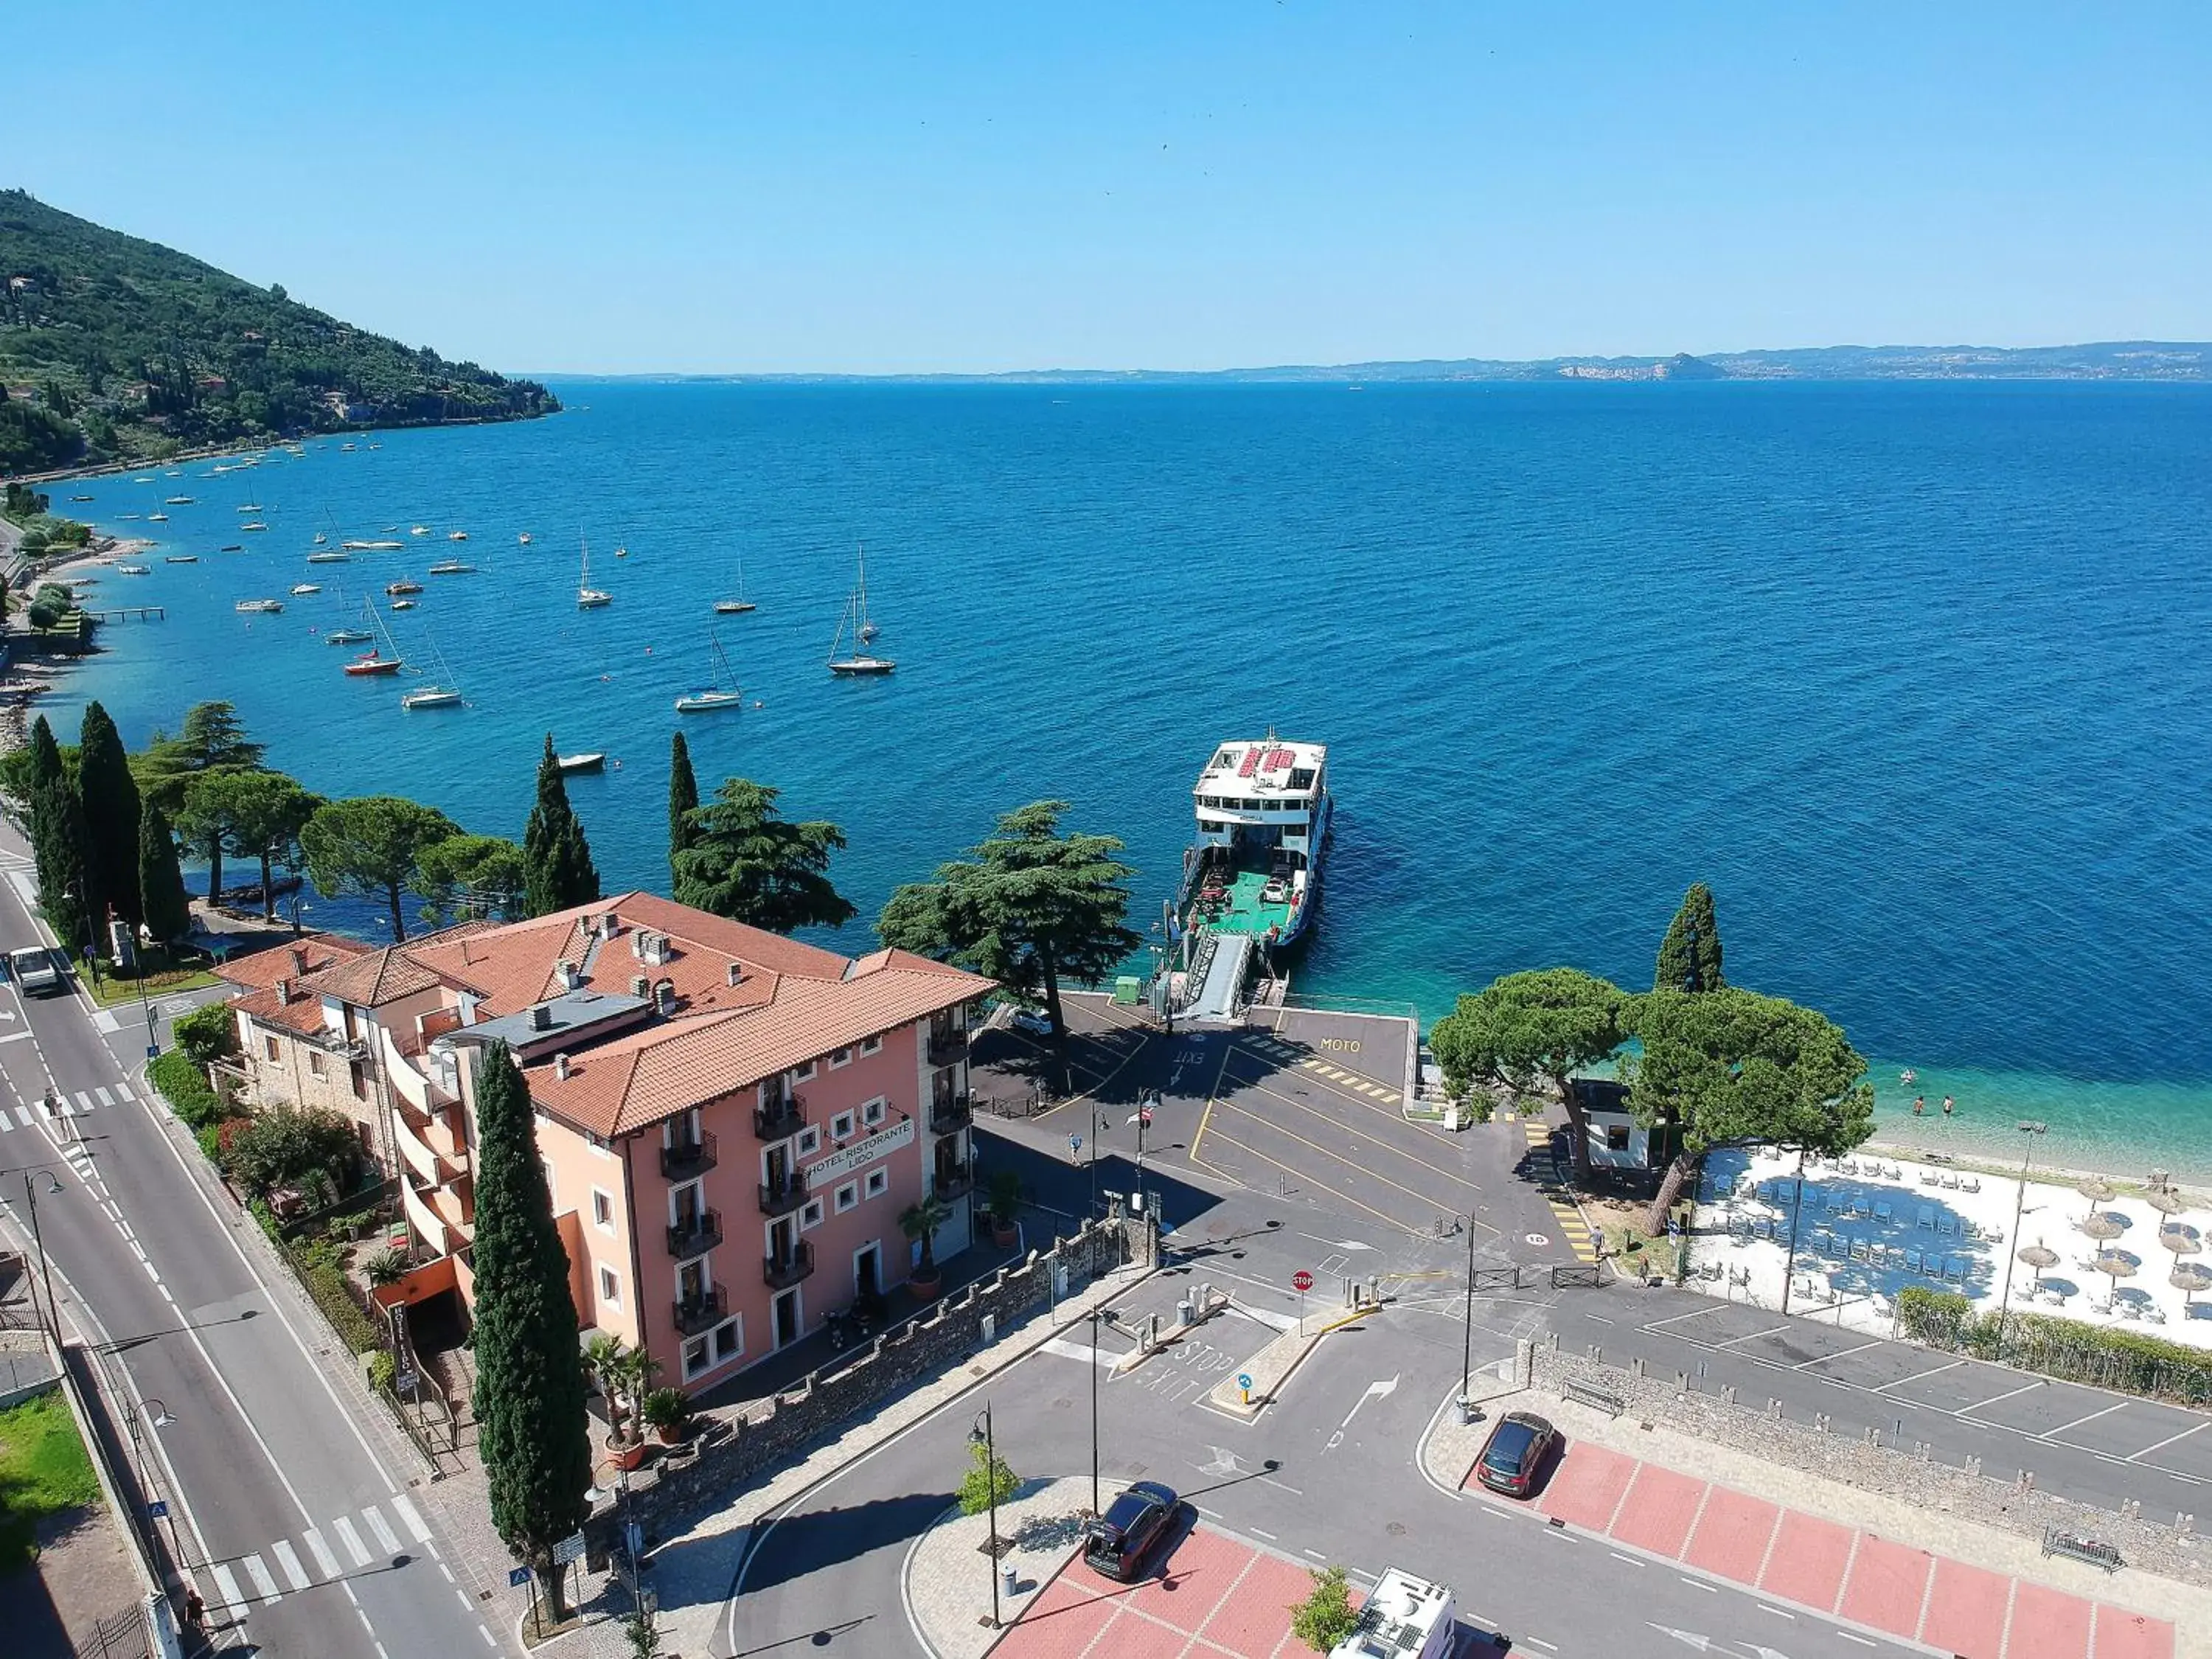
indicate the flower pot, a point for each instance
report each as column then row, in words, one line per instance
column 670, row 1434
column 627, row 1457
column 924, row 1283
column 1004, row 1234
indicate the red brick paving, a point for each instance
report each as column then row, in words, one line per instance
column 1967, row 1609
column 1730, row 1541
column 1257, row 1615
column 2046, row 1625
column 1807, row 1561
column 1818, row 1563
column 1239, row 1596
column 1888, row 1583
column 1656, row 1513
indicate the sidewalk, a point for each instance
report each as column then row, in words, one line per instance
column 1858, row 1556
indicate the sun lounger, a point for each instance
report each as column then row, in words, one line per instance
column 1993, row 1235
column 1929, row 1177
column 1950, row 1182
column 1955, row 1269
column 1970, row 1183
column 2155, row 1314
column 1947, row 1225
column 1883, row 1213
column 1926, row 1215
column 1860, row 1248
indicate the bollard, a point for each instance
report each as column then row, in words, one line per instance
column 2184, row 1523
column 1594, row 1352
column 1682, row 1382
column 1873, row 1435
column 1727, row 1393
column 1821, row 1421
column 1974, row 1466
column 1636, row 1366
column 1774, row 1408
column 1012, row 1578
column 1185, row 1314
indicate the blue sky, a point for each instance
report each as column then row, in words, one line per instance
column 890, row 188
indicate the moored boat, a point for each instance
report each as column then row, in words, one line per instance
column 301, row 588
column 589, row 598
column 258, row 607
column 232, row 547
column 373, row 663
column 177, row 500
column 133, row 570
column 371, row 547
column 327, row 556
column 456, row 535
column 1263, row 811
column 452, row 568
column 405, row 584
column 431, row 696
column 724, row 693
column 590, row 761
column 255, row 524
column 857, row 662
column 348, row 636
column 180, row 559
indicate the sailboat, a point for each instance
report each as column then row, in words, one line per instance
column 860, row 661
column 724, row 693
column 374, row 664
column 589, row 598
column 739, row 606
column 442, row 696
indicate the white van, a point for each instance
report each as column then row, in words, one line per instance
column 33, row 970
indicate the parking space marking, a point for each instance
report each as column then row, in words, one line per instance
column 2025, row 1388
column 2164, row 1443
column 1875, row 1342
column 1305, row 1175
column 1899, row 1382
column 2091, row 1417
column 1346, row 1162
column 1752, row 1336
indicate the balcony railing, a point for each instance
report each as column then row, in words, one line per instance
column 782, row 1197
column 696, row 1235
column 782, row 1271
column 952, row 1182
column 687, row 1158
column 702, row 1312
column 950, row 1116
column 783, row 1116
column 947, row 1047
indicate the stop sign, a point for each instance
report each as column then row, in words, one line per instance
column 1302, row 1280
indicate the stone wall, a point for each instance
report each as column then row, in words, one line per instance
column 736, row 1444
column 2006, row 1499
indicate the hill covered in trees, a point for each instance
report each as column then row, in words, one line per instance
column 111, row 348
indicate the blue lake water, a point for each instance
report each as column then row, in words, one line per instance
column 1917, row 676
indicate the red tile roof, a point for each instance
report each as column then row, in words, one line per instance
column 294, row 960
column 302, row 1016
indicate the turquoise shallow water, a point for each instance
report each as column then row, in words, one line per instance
column 1916, row 675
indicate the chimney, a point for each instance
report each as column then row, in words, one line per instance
column 637, row 943
column 300, row 960
column 608, row 924
column 640, row 987
column 541, row 1018
column 664, row 997
column 655, row 946
column 561, row 1067
column 571, row 976
column 283, row 992
column 736, row 973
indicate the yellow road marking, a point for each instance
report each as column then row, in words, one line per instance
column 1338, row 1158
column 1212, row 1095
column 1078, row 1099
column 1353, row 1099
column 1298, row 1105
column 1303, row 1175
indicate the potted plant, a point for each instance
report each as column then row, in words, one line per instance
column 603, row 1362
column 636, row 1370
column 919, row 1221
column 668, row 1412
column 1004, row 1204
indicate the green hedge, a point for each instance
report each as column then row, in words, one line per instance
column 326, row 1283
column 185, row 1086
column 2132, row 1362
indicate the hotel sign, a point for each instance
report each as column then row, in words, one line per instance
column 860, row 1154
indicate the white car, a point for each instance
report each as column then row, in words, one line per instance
column 1031, row 1023
column 33, row 970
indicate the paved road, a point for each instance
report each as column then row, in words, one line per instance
column 1327, row 1474
column 300, row 1538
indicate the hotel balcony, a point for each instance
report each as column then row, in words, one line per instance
column 948, row 1048
column 782, row 1272
column 780, row 1118
column 687, row 1158
column 702, row 1312
column 427, row 1146
column 781, row 1198
column 950, row 1117
column 696, row 1235
column 954, row 1182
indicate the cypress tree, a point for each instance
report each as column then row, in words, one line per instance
column 558, row 868
column 161, row 900
column 110, row 814
column 533, row 1433
column 1690, row 955
column 683, row 799
column 46, row 754
column 57, row 841
column 46, row 772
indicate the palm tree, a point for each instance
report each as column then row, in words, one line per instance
column 920, row 1220
column 603, row 1357
column 634, row 1372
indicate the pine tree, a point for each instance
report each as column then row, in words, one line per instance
column 683, row 799
column 531, row 1430
column 558, row 868
column 161, row 900
column 110, row 814
column 1690, row 955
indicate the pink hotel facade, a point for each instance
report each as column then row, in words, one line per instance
column 730, row 1122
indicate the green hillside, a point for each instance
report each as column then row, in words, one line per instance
column 114, row 349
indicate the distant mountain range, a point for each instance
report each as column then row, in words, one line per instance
column 2110, row 359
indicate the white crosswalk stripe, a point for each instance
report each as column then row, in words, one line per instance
column 258, row 1570
column 381, row 1528
column 84, row 1101
column 351, row 1539
column 123, row 1092
column 227, row 1587
column 288, row 1558
column 103, row 1097
column 414, row 1522
column 321, row 1551
column 23, row 1113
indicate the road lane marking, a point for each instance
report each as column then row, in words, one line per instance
column 23, row 1116
column 227, row 1587
column 351, row 1539
column 258, row 1570
column 1776, row 1612
column 104, row 1097
column 321, row 1551
column 288, row 1558
column 414, row 1522
column 381, row 1528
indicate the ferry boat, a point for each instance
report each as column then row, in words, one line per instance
column 1251, row 881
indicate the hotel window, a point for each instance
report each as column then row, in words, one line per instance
column 695, row 1358
column 841, row 1126
column 314, row 1063
column 809, row 1214
column 840, row 1057
column 872, row 1112
column 610, row 1288
column 848, row 1196
column 602, row 1209
column 810, row 1140
column 871, row 1045
column 729, row 1340
column 269, row 1046
column 880, row 1181
column 805, row 1073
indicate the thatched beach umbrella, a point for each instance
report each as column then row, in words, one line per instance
column 2038, row 1257
column 2182, row 1240
column 2190, row 1278
column 2165, row 1200
column 2117, row 1265
column 2096, row 1189
column 2105, row 1227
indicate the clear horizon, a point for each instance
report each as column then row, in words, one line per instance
column 866, row 190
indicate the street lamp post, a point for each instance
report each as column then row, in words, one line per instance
column 1467, row 1344
column 2028, row 1131
column 1096, row 1315
column 980, row 1433
column 1796, row 1208
column 38, row 1243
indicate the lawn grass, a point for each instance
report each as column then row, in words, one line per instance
column 44, row 1471
column 158, row 977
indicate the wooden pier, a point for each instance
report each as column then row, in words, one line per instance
column 130, row 613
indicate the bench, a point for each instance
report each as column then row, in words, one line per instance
column 1583, row 1394
column 2089, row 1550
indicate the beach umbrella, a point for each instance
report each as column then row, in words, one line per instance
column 2038, row 1257
column 2104, row 1226
column 2190, row 1278
column 2165, row 1200
column 2117, row 1265
column 2182, row 1240
column 2096, row 1189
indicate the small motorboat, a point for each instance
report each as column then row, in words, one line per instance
column 346, row 449
column 732, row 607
column 255, row 524
column 320, row 538
column 348, row 636
column 232, row 547
column 328, row 557
column 157, row 518
column 456, row 535
column 133, row 570
column 452, row 568
column 405, row 584
column 180, row 559
column 418, row 530
column 524, row 538
column 79, row 498
column 301, row 589
column 592, row 760
column 374, row 663
column 250, row 506
column 621, row 552
column 431, row 696
column 402, row 605
column 178, row 501
column 371, row 547
column 258, row 607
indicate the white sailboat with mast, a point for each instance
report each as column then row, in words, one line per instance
column 444, row 695
column 589, row 598
column 859, row 660
column 724, row 693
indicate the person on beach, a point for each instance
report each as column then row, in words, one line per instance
column 1920, row 1105
column 1946, row 1105
column 1908, row 1077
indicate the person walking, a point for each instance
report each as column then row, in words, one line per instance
column 1946, row 1105
column 1920, row 1105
